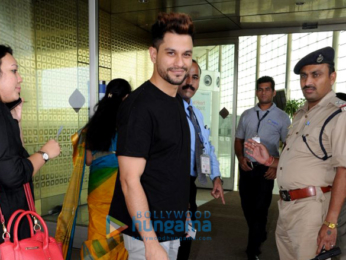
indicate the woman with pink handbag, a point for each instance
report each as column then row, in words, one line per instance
column 16, row 166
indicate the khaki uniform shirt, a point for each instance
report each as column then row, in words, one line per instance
column 298, row 167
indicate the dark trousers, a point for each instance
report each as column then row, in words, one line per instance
column 185, row 245
column 256, row 194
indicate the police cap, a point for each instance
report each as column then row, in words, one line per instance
column 325, row 55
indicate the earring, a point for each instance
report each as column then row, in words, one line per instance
column 110, row 95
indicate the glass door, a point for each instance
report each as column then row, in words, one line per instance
column 215, row 100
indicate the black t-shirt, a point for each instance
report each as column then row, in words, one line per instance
column 153, row 125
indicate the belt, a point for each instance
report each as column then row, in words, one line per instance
column 289, row 195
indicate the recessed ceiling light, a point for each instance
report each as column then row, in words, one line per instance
column 143, row 1
column 300, row 3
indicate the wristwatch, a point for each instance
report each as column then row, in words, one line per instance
column 330, row 224
column 45, row 156
column 218, row 177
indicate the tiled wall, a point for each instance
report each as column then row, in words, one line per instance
column 51, row 43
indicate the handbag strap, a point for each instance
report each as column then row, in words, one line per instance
column 29, row 197
column 2, row 219
column 5, row 234
column 31, row 205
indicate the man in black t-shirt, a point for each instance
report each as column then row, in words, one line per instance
column 151, row 197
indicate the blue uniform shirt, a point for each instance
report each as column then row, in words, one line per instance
column 272, row 128
column 208, row 148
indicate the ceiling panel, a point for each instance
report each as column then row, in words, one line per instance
column 227, row 8
column 227, row 15
column 294, row 19
column 199, row 12
column 214, row 25
column 251, row 7
column 142, row 19
column 223, row 1
column 145, row 19
column 134, row 5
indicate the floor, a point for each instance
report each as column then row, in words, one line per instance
column 227, row 237
column 204, row 196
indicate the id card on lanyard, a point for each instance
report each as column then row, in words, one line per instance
column 256, row 138
column 205, row 164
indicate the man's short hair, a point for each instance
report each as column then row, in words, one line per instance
column 266, row 79
column 199, row 68
column 3, row 51
column 178, row 23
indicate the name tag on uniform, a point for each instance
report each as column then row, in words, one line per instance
column 205, row 164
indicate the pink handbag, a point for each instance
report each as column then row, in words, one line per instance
column 38, row 247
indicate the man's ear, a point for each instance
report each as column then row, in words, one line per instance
column 274, row 93
column 332, row 78
column 153, row 54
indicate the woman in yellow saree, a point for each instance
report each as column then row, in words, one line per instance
column 95, row 145
column 103, row 173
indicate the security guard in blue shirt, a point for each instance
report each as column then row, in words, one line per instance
column 267, row 124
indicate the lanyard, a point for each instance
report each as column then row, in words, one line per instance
column 259, row 120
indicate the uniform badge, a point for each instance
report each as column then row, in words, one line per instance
column 319, row 58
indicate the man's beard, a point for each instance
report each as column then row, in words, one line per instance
column 165, row 76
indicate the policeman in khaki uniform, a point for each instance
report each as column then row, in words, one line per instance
column 311, row 171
